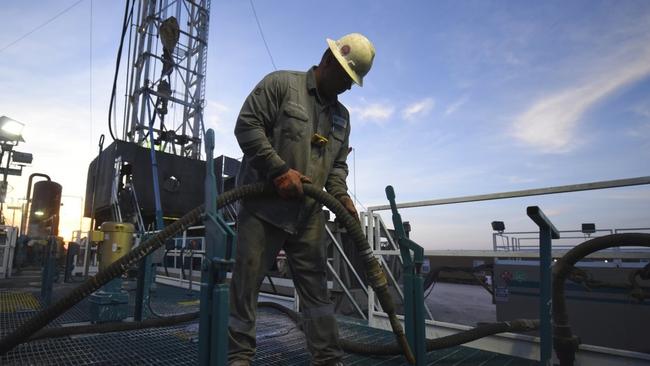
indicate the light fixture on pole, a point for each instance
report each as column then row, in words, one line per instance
column 11, row 133
column 11, row 130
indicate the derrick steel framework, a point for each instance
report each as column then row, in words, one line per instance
column 166, row 87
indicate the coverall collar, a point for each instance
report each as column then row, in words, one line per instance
column 313, row 88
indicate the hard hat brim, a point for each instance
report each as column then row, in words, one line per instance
column 343, row 62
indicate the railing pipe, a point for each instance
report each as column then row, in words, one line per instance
column 547, row 232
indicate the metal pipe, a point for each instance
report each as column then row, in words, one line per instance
column 523, row 193
column 347, row 261
column 345, row 289
column 547, row 232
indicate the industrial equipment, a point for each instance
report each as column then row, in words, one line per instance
column 44, row 210
column 110, row 303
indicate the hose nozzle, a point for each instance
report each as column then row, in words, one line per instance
column 403, row 342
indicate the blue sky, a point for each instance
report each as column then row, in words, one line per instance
column 464, row 98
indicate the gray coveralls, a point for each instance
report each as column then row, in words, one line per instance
column 274, row 130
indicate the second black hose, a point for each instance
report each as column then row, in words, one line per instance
column 375, row 275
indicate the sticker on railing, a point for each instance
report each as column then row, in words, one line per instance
column 501, row 294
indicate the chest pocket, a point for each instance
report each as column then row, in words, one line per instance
column 337, row 135
column 296, row 111
column 294, row 126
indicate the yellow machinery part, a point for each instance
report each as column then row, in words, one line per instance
column 118, row 240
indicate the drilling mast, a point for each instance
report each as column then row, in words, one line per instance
column 166, row 85
column 149, row 169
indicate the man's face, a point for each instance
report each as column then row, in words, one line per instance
column 337, row 79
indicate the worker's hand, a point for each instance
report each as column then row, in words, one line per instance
column 289, row 184
column 346, row 201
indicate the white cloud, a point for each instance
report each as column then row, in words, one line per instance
column 373, row 112
column 641, row 130
column 216, row 117
column 418, row 109
column 550, row 124
column 511, row 59
column 453, row 107
column 642, row 110
column 221, row 117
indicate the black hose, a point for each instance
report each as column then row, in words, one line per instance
column 347, row 345
column 45, row 316
column 392, row 349
column 114, row 326
column 125, row 26
column 481, row 331
column 564, row 342
column 375, row 275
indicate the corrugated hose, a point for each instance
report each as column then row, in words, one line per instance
column 375, row 275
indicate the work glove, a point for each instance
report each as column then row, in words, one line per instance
column 346, row 201
column 289, row 184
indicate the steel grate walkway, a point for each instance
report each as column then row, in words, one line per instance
column 279, row 341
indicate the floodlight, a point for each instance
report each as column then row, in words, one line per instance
column 21, row 157
column 39, row 213
column 11, row 129
column 498, row 226
column 589, row 228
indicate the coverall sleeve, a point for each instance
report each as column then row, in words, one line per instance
column 335, row 184
column 255, row 123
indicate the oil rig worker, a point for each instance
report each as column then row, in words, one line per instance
column 292, row 129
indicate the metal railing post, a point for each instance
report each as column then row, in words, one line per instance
column 414, row 323
column 219, row 248
column 547, row 232
column 346, row 291
column 347, row 260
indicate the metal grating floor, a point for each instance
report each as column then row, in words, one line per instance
column 279, row 340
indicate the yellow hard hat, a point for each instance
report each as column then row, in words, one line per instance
column 355, row 53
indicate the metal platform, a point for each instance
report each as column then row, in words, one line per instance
column 280, row 342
